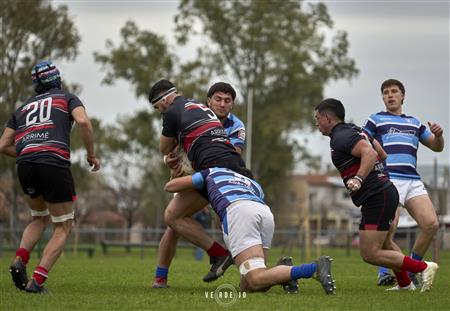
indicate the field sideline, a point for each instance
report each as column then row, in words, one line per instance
column 122, row 282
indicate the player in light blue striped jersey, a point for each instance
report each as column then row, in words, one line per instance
column 399, row 135
column 248, row 226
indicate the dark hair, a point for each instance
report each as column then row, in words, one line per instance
column 391, row 82
column 332, row 105
column 222, row 87
column 159, row 90
column 244, row 172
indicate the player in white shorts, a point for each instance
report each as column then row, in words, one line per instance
column 248, row 227
column 399, row 135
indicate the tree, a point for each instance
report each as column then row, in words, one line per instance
column 30, row 31
column 277, row 50
column 138, row 173
column 144, row 57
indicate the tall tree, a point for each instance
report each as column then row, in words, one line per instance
column 277, row 50
column 138, row 173
column 144, row 57
column 30, row 31
column 283, row 52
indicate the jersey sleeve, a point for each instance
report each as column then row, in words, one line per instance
column 199, row 178
column 169, row 123
column 237, row 136
column 346, row 140
column 370, row 126
column 73, row 102
column 424, row 133
column 12, row 123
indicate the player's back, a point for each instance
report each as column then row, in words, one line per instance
column 198, row 130
column 43, row 126
column 225, row 187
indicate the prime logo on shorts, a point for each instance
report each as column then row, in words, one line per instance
column 225, row 295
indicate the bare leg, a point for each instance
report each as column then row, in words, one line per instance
column 178, row 216
column 389, row 240
column 167, row 247
column 169, row 240
column 33, row 232
column 30, row 237
column 421, row 209
column 261, row 279
column 371, row 250
column 60, row 234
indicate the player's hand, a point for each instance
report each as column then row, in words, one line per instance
column 177, row 170
column 353, row 184
column 171, row 160
column 94, row 162
column 436, row 129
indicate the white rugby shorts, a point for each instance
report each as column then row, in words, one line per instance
column 408, row 189
column 246, row 224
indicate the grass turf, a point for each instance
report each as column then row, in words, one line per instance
column 122, row 282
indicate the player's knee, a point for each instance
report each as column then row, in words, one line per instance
column 251, row 270
column 432, row 227
column 63, row 223
column 43, row 220
column 63, row 227
column 254, row 283
column 40, row 216
column 368, row 256
column 169, row 218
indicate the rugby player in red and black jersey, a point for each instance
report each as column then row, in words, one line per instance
column 197, row 130
column 358, row 162
column 38, row 136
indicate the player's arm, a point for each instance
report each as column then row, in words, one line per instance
column 7, row 145
column 380, row 151
column 179, row 184
column 435, row 141
column 167, row 144
column 87, row 134
column 369, row 157
column 196, row 181
column 237, row 138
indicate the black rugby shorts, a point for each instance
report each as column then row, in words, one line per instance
column 54, row 183
column 378, row 210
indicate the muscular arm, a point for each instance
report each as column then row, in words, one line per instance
column 81, row 118
column 7, row 145
column 368, row 156
column 380, row 151
column 167, row 144
column 436, row 141
column 179, row 184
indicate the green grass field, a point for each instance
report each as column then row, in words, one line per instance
column 122, row 282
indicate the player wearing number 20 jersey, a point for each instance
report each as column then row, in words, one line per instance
column 37, row 135
column 43, row 126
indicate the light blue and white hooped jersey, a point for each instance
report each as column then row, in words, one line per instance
column 400, row 136
column 225, row 187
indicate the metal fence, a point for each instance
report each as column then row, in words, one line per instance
column 290, row 240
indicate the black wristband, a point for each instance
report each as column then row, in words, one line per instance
column 358, row 178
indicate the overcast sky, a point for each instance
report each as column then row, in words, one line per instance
column 407, row 40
